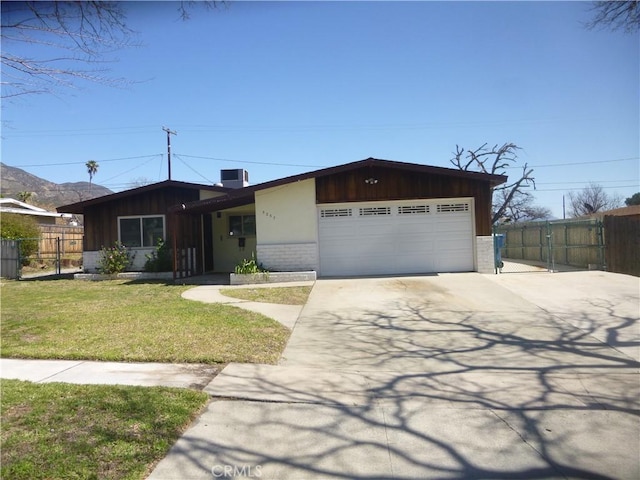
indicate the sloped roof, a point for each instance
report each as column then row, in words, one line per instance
column 620, row 212
column 11, row 205
column 245, row 196
column 79, row 207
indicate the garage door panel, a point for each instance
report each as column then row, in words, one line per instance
column 396, row 237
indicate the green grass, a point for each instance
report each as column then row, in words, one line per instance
column 58, row 430
column 281, row 295
column 127, row 321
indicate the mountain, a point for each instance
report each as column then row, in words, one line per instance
column 47, row 194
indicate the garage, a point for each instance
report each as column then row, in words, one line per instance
column 396, row 237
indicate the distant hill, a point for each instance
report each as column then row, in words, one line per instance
column 50, row 195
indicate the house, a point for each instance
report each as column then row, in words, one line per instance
column 42, row 216
column 368, row 217
column 137, row 218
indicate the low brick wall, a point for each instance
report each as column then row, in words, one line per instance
column 288, row 257
column 271, row 277
column 485, row 255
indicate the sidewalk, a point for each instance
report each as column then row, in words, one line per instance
column 195, row 376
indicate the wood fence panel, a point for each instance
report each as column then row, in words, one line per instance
column 70, row 239
column 622, row 244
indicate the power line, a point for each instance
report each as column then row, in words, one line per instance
column 578, row 163
column 252, row 163
column 83, row 161
column 568, row 189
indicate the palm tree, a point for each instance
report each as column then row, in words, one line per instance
column 92, row 168
column 25, row 196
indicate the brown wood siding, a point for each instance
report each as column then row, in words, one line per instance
column 395, row 184
column 622, row 244
column 101, row 221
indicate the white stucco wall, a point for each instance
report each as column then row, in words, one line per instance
column 286, row 221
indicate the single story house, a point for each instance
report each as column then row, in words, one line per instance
column 137, row 218
column 369, row 217
column 42, row 216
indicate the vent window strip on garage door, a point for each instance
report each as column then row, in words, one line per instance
column 452, row 207
column 335, row 212
column 373, row 211
column 413, row 209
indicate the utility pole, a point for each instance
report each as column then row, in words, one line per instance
column 169, row 133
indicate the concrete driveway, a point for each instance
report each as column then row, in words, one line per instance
column 445, row 376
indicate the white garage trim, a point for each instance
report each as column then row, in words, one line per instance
column 396, row 237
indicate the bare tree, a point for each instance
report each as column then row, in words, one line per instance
column 521, row 207
column 75, row 41
column 616, row 15
column 495, row 161
column 592, row 199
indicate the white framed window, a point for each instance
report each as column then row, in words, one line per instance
column 141, row 231
column 242, row 225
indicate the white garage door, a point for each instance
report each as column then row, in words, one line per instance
column 416, row 236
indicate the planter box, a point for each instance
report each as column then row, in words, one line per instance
column 94, row 277
column 271, row 277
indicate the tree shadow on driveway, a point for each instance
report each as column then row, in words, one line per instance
column 417, row 390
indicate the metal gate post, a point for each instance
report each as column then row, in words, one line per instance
column 601, row 254
column 550, row 261
column 19, row 266
column 58, row 260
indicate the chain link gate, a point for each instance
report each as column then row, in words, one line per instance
column 549, row 246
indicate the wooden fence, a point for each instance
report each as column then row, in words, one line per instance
column 70, row 239
column 622, row 239
column 578, row 243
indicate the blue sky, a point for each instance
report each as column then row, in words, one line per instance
column 288, row 87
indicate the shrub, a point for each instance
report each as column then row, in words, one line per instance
column 160, row 259
column 14, row 226
column 115, row 259
column 249, row 266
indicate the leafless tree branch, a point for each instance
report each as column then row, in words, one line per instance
column 616, row 15
column 495, row 161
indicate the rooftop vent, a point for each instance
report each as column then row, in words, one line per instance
column 236, row 178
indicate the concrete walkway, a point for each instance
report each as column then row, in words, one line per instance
column 109, row 373
column 285, row 314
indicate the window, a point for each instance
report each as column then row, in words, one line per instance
column 242, row 225
column 141, row 231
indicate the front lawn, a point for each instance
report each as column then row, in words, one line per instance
column 119, row 320
column 58, row 430
column 281, row 295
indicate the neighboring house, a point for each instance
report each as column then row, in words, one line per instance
column 369, row 217
column 42, row 216
column 137, row 218
column 632, row 210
